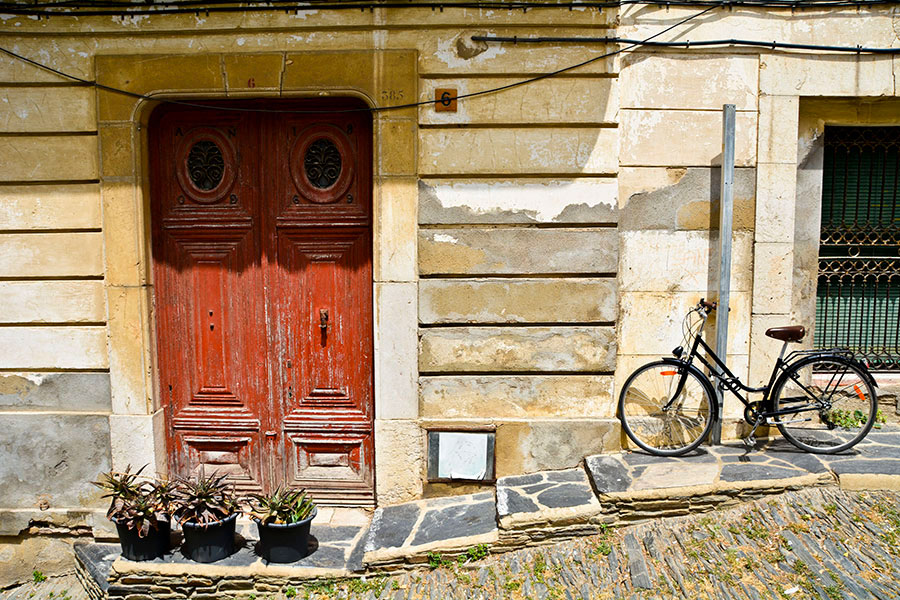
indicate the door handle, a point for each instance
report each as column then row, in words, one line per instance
column 323, row 320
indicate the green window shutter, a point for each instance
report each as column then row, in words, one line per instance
column 858, row 294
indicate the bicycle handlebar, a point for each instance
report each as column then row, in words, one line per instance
column 707, row 306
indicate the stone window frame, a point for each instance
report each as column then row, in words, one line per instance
column 137, row 423
column 798, row 94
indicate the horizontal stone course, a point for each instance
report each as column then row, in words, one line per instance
column 52, row 301
column 55, row 347
column 51, row 255
column 486, row 251
column 556, row 151
column 517, row 300
column 51, row 206
column 55, row 391
column 47, row 109
column 496, row 349
column 49, row 158
column 516, row 396
column 588, row 100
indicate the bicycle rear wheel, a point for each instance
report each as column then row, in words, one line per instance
column 834, row 402
column 657, row 420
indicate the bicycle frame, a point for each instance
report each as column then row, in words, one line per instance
column 726, row 380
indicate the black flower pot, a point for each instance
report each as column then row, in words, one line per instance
column 153, row 545
column 284, row 543
column 211, row 542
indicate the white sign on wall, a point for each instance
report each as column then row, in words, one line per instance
column 460, row 455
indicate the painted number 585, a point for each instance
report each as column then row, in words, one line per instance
column 391, row 95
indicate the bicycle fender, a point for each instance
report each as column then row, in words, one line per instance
column 865, row 371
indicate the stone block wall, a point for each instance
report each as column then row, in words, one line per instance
column 54, row 364
column 518, row 251
column 530, row 249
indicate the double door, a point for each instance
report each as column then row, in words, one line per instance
column 261, row 228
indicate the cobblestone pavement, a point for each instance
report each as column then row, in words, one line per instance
column 62, row 587
column 815, row 543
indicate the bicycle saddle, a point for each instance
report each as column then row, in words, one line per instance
column 793, row 333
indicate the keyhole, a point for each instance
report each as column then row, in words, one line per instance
column 211, row 326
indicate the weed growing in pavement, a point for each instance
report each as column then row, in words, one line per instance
column 290, row 592
column 754, row 529
column 540, row 565
column 475, row 553
column 798, row 528
column 830, row 509
column 833, row 592
column 437, row 560
column 603, row 548
column 38, row 577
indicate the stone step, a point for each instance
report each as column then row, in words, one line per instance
column 335, row 551
column 406, row 533
column 535, row 509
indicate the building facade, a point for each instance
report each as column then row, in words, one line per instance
column 249, row 249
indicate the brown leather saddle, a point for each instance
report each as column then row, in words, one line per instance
column 793, row 333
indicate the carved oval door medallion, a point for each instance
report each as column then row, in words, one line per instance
column 322, row 164
column 205, row 165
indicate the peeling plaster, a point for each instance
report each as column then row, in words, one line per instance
column 448, row 52
column 549, row 201
column 445, row 239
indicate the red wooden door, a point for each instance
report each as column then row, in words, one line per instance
column 263, row 288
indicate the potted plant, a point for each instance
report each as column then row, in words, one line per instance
column 207, row 510
column 139, row 508
column 283, row 519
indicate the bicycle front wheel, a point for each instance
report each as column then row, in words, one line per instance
column 666, row 408
column 828, row 402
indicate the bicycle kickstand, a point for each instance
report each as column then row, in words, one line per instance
column 750, row 440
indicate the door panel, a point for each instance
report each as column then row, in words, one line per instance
column 263, row 290
column 324, row 318
column 332, row 464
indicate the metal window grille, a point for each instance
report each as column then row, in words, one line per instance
column 858, row 294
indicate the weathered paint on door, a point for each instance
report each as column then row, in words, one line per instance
column 263, row 294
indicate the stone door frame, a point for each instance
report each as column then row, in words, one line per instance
column 137, row 426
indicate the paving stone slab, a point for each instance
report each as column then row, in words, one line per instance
column 758, row 472
column 550, row 499
column 407, row 532
column 334, row 551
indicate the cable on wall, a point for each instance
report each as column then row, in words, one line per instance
column 375, row 109
column 151, row 7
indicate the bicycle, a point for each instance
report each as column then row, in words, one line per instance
column 821, row 401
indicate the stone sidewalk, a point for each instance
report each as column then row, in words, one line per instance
column 620, row 488
column 526, row 510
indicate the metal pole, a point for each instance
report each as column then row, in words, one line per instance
column 726, row 210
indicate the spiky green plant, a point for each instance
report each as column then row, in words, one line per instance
column 135, row 503
column 165, row 493
column 284, row 505
column 205, row 500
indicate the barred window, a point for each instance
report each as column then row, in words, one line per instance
column 858, row 294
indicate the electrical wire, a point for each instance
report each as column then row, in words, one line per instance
column 374, row 109
column 125, row 9
column 775, row 45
